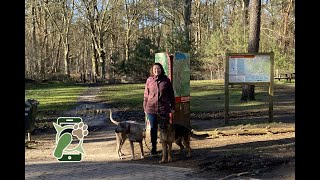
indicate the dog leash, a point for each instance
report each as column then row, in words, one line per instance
column 144, row 137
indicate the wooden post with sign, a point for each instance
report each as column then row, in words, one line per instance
column 177, row 67
column 249, row 69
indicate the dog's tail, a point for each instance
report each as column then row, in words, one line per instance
column 111, row 119
column 198, row 136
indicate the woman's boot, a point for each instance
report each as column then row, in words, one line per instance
column 153, row 134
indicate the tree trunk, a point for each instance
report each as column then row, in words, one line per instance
column 254, row 25
column 285, row 26
column 127, row 51
column 103, row 65
column 253, row 46
column 245, row 6
column 187, row 21
column 66, row 59
column 198, row 33
column 34, row 37
column 84, row 57
column 57, row 64
column 95, row 67
column 46, row 45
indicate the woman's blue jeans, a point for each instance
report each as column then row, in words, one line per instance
column 153, row 119
column 153, row 130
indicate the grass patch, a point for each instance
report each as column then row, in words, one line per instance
column 123, row 96
column 53, row 97
column 206, row 96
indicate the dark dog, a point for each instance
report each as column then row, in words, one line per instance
column 170, row 133
column 132, row 130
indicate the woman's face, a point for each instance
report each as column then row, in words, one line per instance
column 156, row 70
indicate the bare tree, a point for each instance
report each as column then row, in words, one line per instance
column 97, row 14
column 67, row 8
column 286, row 12
column 56, row 32
column 131, row 17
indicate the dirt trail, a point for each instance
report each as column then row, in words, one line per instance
column 268, row 155
column 89, row 108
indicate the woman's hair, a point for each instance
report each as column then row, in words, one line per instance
column 161, row 67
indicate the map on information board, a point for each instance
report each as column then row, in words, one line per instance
column 249, row 68
column 181, row 74
column 180, row 70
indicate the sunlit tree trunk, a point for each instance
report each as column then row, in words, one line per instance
column 187, row 22
column 286, row 13
column 34, row 37
column 253, row 46
column 198, row 32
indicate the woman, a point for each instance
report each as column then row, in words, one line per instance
column 158, row 100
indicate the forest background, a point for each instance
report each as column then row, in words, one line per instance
column 116, row 40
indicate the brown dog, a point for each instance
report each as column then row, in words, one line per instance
column 170, row 133
column 131, row 130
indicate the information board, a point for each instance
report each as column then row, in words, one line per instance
column 181, row 74
column 249, row 68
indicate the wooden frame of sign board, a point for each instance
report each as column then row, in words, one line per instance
column 249, row 69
